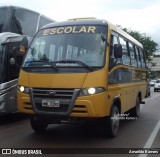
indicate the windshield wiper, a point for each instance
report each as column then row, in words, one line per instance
column 45, row 61
column 75, row 61
column 53, row 64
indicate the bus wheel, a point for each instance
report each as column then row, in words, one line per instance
column 38, row 125
column 135, row 112
column 112, row 122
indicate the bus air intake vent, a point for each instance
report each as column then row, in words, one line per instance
column 43, row 97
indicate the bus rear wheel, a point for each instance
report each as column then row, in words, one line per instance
column 112, row 122
column 39, row 125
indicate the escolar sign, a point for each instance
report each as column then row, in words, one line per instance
column 70, row 29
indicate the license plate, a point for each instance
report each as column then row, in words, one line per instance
column 51, row 103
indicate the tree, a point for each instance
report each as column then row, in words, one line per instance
column 152, row 75
column 149, row 45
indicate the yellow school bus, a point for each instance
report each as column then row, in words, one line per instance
column 80, row 69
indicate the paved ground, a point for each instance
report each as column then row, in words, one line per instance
column 15, row 132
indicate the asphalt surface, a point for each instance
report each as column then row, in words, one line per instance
column 15, row 132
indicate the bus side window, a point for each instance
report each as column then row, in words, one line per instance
column 132, row 54
column 112, row 60
column 138, row 57
column 120, row 75
column 142, row 58
column 125, row 53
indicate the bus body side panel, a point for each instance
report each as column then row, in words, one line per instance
column 127, row 93
column 8, row 99
column 127, row 90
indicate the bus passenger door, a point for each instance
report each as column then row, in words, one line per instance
column 13, row 69
column 116, row 77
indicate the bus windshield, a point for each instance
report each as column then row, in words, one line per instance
column 68, row 46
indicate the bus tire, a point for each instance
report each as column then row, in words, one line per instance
column 112, row 122
column 135, row 112
column 38, row 125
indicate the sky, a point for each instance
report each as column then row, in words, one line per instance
column 139, row 15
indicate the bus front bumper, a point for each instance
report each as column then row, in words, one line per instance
column 83, row 106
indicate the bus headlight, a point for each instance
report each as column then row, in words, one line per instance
column 91, row 91
column 23, row 89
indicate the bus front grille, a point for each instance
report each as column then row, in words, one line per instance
column 53, row 93
column 65, row 98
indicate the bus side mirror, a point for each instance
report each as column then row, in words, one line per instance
column 12, row 61
column 117, row 50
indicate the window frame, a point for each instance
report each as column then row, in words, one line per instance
column 136, row 49
column 126, row 41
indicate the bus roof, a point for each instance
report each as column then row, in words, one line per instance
column 76, row 22
column 93, row 21
column 17, row 7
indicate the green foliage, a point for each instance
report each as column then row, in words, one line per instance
column 149, row 45
column 152, row 75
